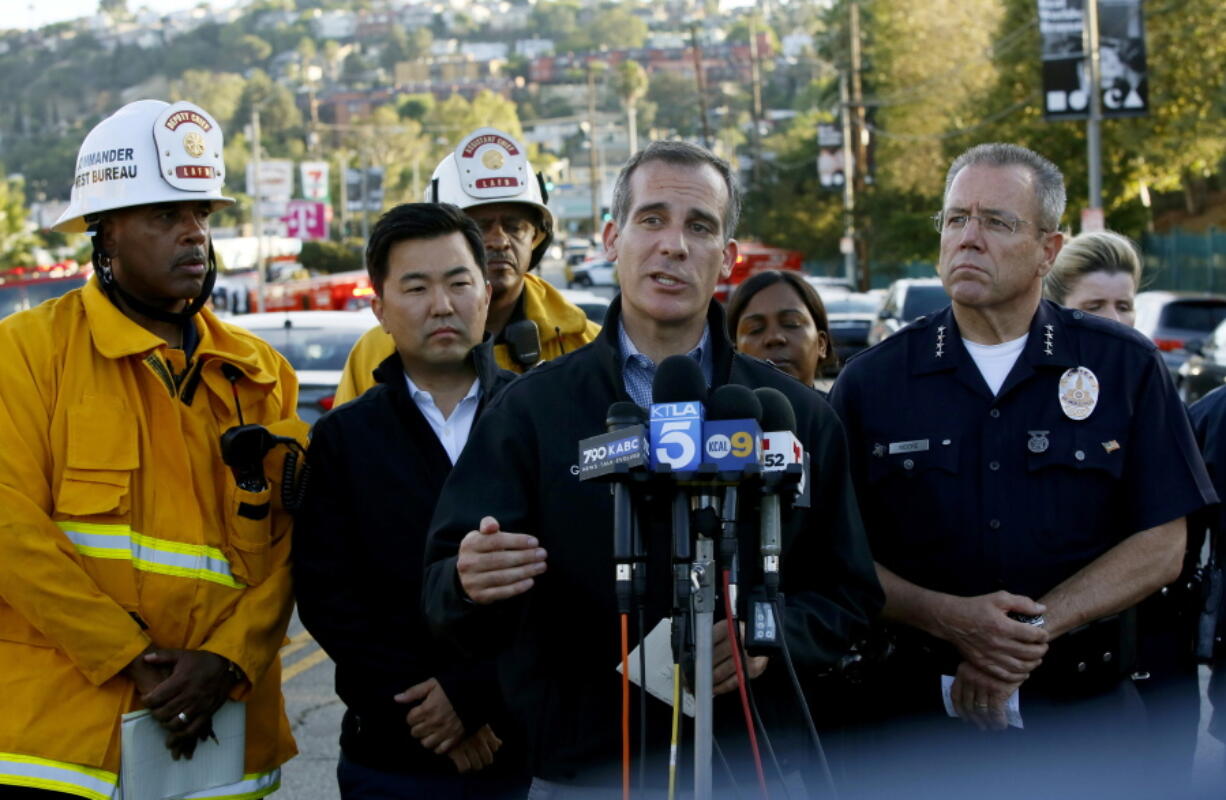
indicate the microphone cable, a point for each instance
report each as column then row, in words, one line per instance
column 827, row 775
column 625, row 648
column 642, row 701
column 719, row 751
column 742, row 682
column 675, row 741
column 766, row 739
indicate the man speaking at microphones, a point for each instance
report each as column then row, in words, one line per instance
column 520, row 554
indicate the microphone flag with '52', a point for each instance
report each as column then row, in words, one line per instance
column 780, row 445
column 732, row 433
column 678, row 392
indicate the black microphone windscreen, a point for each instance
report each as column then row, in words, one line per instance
column 777, row 413
column 678, row 380
column 623, row 414
column 733, row 401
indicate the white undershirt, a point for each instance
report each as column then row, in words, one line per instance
column 452, row 432
column 995, row 360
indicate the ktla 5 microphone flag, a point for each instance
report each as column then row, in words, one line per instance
column 1123, row 80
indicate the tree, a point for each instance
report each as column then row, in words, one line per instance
column 219, row 93
column 630, row 83
column 115, row 9
column 676, row 97
column 787, row 208
column 1174, row 148
column 16, row 243
column 398, row 145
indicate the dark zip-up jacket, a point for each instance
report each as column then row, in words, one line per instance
column 560, row 641
column 377, row 468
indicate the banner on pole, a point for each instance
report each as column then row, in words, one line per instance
column 276, row 179
column 373, row 201
column 314, row 175
column 830, row 156
column 306, row 220
column 1123, row 79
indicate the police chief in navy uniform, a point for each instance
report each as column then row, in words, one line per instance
column 1012, row 457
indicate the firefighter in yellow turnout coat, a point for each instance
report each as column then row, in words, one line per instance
column 136, row 568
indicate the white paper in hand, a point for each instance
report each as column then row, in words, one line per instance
column 659, row 667
column 1013, row 706
column 148, row 772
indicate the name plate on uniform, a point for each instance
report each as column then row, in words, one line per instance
column 913, row 446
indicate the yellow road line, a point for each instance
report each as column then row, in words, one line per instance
column 295, row 644
column 302, row 665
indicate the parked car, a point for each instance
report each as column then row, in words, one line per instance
column 19, row 293
column 851, row 316
column 907, row 300
column 591, row 303
column 592, row 273
column 316, row 344
column 828, row 282
column 1205, row 367
column 1172, row 319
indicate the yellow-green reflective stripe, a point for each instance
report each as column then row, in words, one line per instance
column 57, row 776
column 149, row 554
column 251, row 787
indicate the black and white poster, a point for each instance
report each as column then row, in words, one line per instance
column 830, row 155
column 1121, row 35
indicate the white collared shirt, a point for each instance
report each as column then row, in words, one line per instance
column 452, row 432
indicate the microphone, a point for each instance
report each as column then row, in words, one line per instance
column 780, row 449
column 732, row 437
column 611, row 456
column 625, row 417
column 678, row 392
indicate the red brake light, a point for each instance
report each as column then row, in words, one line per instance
column 1169, row 345
column 326, row 402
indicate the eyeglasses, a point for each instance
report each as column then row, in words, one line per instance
column 991, row 223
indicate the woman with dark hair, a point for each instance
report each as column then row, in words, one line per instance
column 779, row 317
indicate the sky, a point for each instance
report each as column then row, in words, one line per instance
column 36, row 13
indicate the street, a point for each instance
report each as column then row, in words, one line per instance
column 315, row 714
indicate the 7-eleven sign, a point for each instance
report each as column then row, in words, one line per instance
column 314, row 180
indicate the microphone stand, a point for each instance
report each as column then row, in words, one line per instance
column 702, row 602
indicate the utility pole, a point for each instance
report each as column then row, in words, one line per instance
column 848, row 245
column 755, row 111
column 1094, row 156
column 593, row 156
column 859, row 141
column 257, row 213
column 365, row 195
column 701, row 81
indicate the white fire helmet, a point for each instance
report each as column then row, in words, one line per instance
column 488, row 166
column 147, row 152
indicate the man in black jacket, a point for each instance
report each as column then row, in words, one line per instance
column 524, row 562
column 418, row 713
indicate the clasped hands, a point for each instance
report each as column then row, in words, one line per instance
column 182, row 690
column 999, row 653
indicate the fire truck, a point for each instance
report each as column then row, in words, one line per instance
column 22, row 288
column 340, row 291
column 754, row 257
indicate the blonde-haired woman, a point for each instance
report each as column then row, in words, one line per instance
column 1098, row 273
